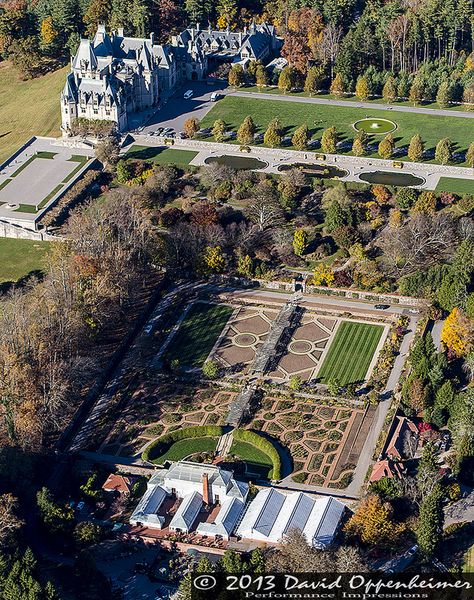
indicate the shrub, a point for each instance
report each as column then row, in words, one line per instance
column 163, row 443
column 254, row 439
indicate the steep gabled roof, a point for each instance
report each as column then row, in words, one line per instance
column 187, row 512
column 226, row 519
column 85, row 56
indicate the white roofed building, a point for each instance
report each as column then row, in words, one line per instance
column 199, row 486
column 272, row 514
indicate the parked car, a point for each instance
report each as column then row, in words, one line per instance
column 188, row 94
column 382, row 306
column 414, row 311
column 167, row 131
column 215, row 96
column 159, row 131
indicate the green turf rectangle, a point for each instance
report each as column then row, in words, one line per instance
column 455, row 185
column 184, row 448
column 198, row 333
column 350, row 353
column 432, row 127
column 161, row 155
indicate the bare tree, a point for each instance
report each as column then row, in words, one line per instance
column 421, row 242
column 330, row 43
column 9, row 521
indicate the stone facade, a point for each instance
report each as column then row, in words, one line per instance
column 113, row 75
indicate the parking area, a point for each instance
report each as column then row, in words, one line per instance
column 177, row 109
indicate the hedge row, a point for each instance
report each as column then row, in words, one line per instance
column 245, row 435
column 163, row 443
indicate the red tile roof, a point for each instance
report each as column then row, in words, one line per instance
column 118, row 483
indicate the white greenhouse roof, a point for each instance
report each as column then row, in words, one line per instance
column 187, row 512
column 272, row 514
column 148, row 507
column 226, row 519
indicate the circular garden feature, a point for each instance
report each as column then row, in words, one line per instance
column 377, row 126
column 390, row 178
column 245, row 340
column 237, row 162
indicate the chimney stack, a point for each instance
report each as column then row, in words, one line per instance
column 120, row 31
column 205, row 488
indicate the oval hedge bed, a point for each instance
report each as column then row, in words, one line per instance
column 261, row 443
column 158, row 448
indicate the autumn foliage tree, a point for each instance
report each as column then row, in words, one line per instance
column 458, row 333
column 373, row 523
column 191, row 127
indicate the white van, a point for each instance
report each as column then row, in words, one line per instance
column 188, row 94
column 215, row 96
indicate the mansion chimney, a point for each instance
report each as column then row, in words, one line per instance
column 205, row 488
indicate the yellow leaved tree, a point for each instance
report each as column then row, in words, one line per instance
column 458, row 333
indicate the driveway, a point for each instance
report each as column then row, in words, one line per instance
column 176, row 110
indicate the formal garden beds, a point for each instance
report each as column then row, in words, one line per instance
column 157, row 408
column 323, row 439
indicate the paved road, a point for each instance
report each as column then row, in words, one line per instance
column 327, row 301
column 355, row 104
column 365, row 460
column 176, row 109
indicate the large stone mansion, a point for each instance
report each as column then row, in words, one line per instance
column 113, row 76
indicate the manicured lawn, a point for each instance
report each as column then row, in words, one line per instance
column 28, row 107
column 455, row 185
column 162, row 156
column 351, row 352
column 183, row 448
column 20, row 257
column 257, row 461
column 198, row 333
column 233, row 111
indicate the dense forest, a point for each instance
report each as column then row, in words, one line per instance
column 427, row 43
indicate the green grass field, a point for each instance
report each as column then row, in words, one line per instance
column 455, row 185
column 350, row 353
column 28, row 107
column 183, row 448
column 233, row 110
column 257, row 461
column 162, row 156
column 198, row 333
column 20, row 257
